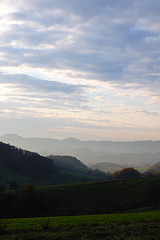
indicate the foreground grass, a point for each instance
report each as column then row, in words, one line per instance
column 110, row 226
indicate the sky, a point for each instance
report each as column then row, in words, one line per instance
column 83, row 69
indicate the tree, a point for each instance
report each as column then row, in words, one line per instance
column 126, row 173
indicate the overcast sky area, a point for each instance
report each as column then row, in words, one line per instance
column 84, row 69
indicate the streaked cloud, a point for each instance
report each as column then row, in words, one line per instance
column 93, row 63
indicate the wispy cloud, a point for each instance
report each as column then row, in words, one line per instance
column 81, row 61
column 36, row 85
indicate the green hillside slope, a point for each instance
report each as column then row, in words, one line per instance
column 102, row 197
column 85, row 198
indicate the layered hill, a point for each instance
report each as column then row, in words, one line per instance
column 51, row 144
column 22, row 167
column 138, row 153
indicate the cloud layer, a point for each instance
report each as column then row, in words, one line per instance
column 87, row 65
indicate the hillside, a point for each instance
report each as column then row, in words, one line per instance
column 155, row 169
column 22, row 167
column 139, row 154
column 85, row 198
column 68, row 163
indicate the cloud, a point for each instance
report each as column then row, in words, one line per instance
column 23, row 96
column 86, row 57
column 93, row 37
column 39, row 85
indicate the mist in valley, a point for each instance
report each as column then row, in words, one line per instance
column 140, row 154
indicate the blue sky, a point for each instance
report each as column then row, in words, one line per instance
column 84, row 69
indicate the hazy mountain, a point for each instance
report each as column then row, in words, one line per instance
column 139, row 153
column 24, row 167
column 108, row 167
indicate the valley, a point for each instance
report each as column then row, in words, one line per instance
column 64, row 197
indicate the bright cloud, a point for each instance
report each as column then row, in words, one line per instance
column 83, row 68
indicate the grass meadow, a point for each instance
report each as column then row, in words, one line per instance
column 128, row 226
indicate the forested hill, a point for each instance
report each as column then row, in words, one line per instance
column 24, row 167
column 24, row 162
column 68, row 162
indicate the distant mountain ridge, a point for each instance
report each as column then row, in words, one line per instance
column 138, row 152
column 119, row 147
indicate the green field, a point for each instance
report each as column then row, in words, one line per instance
column 130, row 226
column 88, row 200
column 83, row 198
column 99, row 197
column 142, row 170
